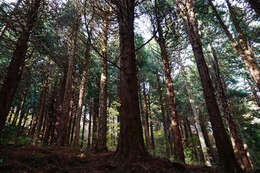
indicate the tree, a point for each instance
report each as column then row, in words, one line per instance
column 131, row 143
column 242, row 47
column 238, row 145
column 16, row 66
column 174, row 119
column 196, row 116
column 225, row 150
column 64, row 107
column 102, row 134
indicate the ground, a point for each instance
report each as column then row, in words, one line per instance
column 49, row 159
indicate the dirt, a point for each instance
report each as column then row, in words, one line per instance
column 53, row 159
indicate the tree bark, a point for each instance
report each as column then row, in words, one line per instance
column 145, row 120
column 102, row 132
column 174, row 119
column 151, row 123
column 72, row 124
column 237, row 142
column 42, row 103
column 206, row 137
column 131, row 144
column 51, row 115
column 25, row 93
column 89, row 124
column 64, row 107
column 224, row 146
column 16, row 66
column 82, row 89
column 196, row 118
column 84, row 126
column 165, row 123
column 11, row 114
column 95, row 124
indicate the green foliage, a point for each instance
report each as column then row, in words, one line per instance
column 160, row 142
column 188, row 155
column 9, row 136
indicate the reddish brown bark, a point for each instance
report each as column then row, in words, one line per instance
column 51, row 115
column 72, row 127
column 81, row 99
column 102, row 131
column 15, row 68
column 95, row 125
column 89, row 124
column 165, row 123
column 174, row 120
column 237, row 142
column 65, row 107
column 42, row 103
column 131, row 143
column 225, row 150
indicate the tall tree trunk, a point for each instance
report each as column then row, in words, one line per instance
column 165, row 123
column 206, row 137
column 243, row 48
column 102, row 132
column 82, row 89
column 146, row 119
column 84, row 126
column 196, row 116
column 151, row 123
column 72, row 124
column 15, row 68
column 197, row 146
column 95, row 124
column 25, row 93
column 25, row 119
column 174, row 119
column 11, row 114
column 16, row 114
column 131, row 143
column 70, row 116
column 224, row 146
column 236, row 139
column 51, row 115
column 64, row 107
column 20, row 107
column 89, row 124
column 42, row 103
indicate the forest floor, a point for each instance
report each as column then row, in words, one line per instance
column 50, row 159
